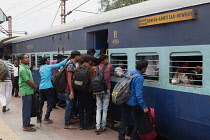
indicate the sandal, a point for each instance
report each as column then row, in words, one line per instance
column 30, row 129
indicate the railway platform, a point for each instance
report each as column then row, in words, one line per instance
column 11, row 127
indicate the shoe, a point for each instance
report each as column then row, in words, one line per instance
column 8, row 109
column 103, row 130
column 48, row 120
column 70, row 127
column 97, row 131
column 4, row 109
column 17, row 96
column 31, row 125
column 81, row 128
column 29, row 129
column 73, row 121
column 38, row 121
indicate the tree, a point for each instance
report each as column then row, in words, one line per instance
column 107, row 5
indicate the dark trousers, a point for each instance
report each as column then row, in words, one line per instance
column 26, row 109
column 15, row 87
column 85, row 101
column 126, row 112
column 47, row 94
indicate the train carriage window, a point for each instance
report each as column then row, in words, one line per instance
column 47, row 55
column 39, row 56
column 55, row 56
column 120, row 63
column 33, row 62
column 152, row 72
column 186, row 69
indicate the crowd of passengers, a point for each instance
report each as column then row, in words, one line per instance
column 20, row 79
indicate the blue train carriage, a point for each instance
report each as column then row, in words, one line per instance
column 167, row 34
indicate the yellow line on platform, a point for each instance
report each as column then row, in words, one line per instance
column 6, row 133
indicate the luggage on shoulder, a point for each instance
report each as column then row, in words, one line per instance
column 81, row 80
column 60, row 81
column 3, row 71
column 121, row 91
column 98, row 84
column 147, row 125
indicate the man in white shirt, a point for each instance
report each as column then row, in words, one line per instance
column 15, row 87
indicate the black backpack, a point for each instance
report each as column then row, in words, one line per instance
column 81, row 80
column 60, row 81
column 98, row 84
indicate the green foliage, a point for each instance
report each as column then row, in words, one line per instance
column 107, row 5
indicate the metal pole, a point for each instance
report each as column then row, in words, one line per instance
column 63, row 11
column 9, row 26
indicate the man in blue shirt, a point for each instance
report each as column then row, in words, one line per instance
column 135, row 105
column 46, row 87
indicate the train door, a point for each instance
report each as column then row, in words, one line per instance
column 98, row 40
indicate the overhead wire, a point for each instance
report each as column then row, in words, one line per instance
column 77, row 7
column 86, row 11
column 55, row 15
column 30, row 9
column 35, row 11
column 17, row 4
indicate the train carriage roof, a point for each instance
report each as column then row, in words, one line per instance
column 137, row 10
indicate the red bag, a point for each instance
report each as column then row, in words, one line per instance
column 147, row 125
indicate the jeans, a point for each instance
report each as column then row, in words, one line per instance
column 102, row 103
column 126, row 112
column 49, row 95
column 26, row 109
column 85, row 104
column 69, row 106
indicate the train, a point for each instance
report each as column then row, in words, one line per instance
column 166, row 33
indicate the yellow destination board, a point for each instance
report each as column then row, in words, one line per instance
column 167, row 18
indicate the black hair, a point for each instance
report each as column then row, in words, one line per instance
column 141, row 64
column 91, row 50
column 21, row 56
column 1, row 56
column 6, row 56
column 75, row 53
column 88, row 58
column 102, row 51
column 43, row 60
column 102, row 57
column 59, row 56
column 15, row 59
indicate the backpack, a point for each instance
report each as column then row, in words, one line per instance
column 35, row 108
column 148, row 123
column 81, row 80
column 60, row 81
column 121, row 91
column 3, row 71
column 98, row 84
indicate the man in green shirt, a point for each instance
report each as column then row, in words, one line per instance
column 27, row 89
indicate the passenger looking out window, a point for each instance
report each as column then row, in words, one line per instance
column 192, row 80
column 120, row 70
column 180, row 76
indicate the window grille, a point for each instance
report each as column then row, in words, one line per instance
column 186, row 69
column 120, row 64
column 152, row 72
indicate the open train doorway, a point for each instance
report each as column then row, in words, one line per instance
column 98, row 40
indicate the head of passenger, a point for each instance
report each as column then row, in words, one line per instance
column 103, row 59
column 102, row 51
column 121, row 64
column 141, row 65
column 81, row 61
column 192, row 79
column 95, row 61
column 44, row 60
column 88, row 59
column 15, row 61
column 24, row 59
column 91, row 51
column 6, row 57
column 59, row 58
column 76, row 55
column 184, row 65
